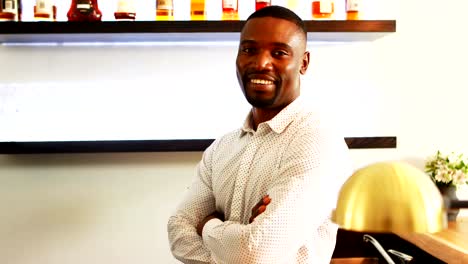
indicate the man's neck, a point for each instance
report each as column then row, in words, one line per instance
column 262, row 115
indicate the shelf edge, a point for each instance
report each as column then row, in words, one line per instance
column 179, row 31
column 180, row 145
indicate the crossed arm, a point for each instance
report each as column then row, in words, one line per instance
column 278, row 224
column 187, row 244
column 259, row 208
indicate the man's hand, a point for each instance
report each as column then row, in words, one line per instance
column 260, row 207
column 215, row 214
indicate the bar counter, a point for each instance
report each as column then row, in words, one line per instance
column 449, row 245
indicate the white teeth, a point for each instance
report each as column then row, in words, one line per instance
column 260, row 81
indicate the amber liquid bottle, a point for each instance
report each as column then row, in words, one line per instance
column 323, row 9
column 125, row 10
column 84, row 10
column 5, row 13
column 45, row 10
column 197, row 10
column 352, row 9
column 10, row 10
column 259, row 4
column 292, row 4
column 164, row 10
column 230, row 10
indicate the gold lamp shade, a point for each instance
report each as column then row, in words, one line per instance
column 390, row 197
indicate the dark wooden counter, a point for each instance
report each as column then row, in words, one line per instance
column 450, row 245
column 447, row 246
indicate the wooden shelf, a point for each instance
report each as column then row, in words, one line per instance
column 170, row 31
column 179, row 31
column 179, row 145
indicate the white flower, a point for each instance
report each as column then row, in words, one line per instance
column 448, row 170
column 459, row 177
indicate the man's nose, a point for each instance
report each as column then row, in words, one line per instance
column 263, row 60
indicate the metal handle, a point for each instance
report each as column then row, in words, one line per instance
column 405, row 258
column 379, row 248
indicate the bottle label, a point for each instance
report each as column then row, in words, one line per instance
column 292, row 4
column 326, row 6
column 352, row 5
column 9, row 6
column 83, row 6
column 44, row 7
column 126, row 6
column 164, row 4
column 232, row 4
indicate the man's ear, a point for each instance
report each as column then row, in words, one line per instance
column 305, row 62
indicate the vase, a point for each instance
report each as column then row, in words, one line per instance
column 450, row 192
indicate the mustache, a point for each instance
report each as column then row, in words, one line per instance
column 262, row 72
column 252, row 74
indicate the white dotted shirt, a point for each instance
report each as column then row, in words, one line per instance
column 295, row 158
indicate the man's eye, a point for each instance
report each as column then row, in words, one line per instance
column 248, row 50
column 280, row 53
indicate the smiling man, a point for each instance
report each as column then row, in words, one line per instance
column 264, row 192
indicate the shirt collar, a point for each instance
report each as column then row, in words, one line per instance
column 280, row 121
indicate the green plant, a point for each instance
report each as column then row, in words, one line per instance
column 447, row 170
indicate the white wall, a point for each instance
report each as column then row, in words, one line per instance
column 102, row 208
column 94, row 208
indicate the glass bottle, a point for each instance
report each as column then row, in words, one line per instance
column 84, row 10
column 230, row 10
column 10, row 10
column 352, row 9
column 125, row 10
column 292, row 4
column 197, row 10
column 261, row 4
column 164, row 10
column 5, row 15
column 323, row 9
column 45, row 10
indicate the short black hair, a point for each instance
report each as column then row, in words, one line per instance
column 282, row 13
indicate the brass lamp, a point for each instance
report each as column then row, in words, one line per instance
column 390, row 197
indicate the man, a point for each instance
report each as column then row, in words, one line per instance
column 264, row 193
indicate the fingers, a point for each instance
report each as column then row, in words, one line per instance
column 266, row 200
column 260, row 207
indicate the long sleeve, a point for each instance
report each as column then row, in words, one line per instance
column 186, row 245
column 303, row 195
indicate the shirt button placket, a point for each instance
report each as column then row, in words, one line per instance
column 246, row 163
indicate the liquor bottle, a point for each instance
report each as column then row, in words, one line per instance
column 5, row 15
column 261, row 4
column 164, row 10
column 10, row 10
column 125, row 10
column 197, row 10
column 45, row 10
column 352, row 9
column 84, row 10
column 323, row 9
column 292, row 4
column 230, row 10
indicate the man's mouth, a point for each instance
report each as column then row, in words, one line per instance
column 261, row 81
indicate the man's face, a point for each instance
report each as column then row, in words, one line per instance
column 271, row 57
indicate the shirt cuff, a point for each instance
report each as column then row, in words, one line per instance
column 208, row 227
